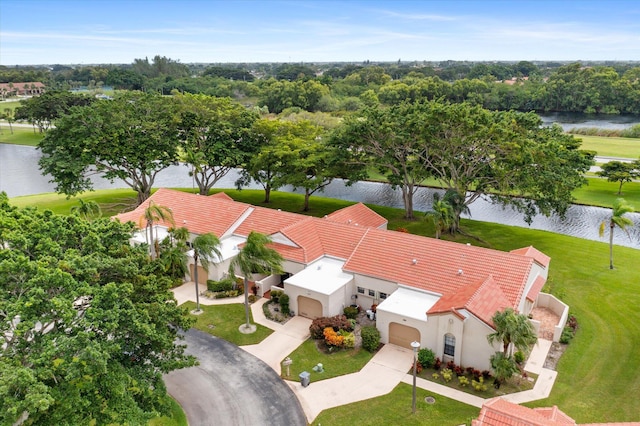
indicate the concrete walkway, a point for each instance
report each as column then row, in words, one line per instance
column 390, row 366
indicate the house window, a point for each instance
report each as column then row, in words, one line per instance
column 361, row 290
column 382, row 295
column 449, row 344
column 372, row 293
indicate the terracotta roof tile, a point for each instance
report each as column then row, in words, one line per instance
column 535, row 254
column 534, row 291
column 198, row 213
column 483, row 299
column 358, row 214
column 500, row 412
column 438, row 266
column 268, row 221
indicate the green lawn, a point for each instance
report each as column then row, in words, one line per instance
column 176, row 418
column 223, row 321
column 337, row 363
column 19, row 136
column 395, row 409
column 598, row 378
column 601, row 193
column 611, row 147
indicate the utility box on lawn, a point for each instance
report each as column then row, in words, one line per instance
column 305, row 379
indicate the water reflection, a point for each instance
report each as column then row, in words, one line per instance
column 19, row 175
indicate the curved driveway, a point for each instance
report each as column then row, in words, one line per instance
column 231, row 387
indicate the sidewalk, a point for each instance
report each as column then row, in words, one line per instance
column 390, row 366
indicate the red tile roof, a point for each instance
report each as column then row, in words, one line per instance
column 483, row 299
column 533, row 253
column 437, row 266
column 198, row 213
column 358, row 214
column 500, row 412
column 534, row 291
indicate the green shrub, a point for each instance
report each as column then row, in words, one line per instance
column 349, row 339
column 223, row 285
column 284, row 303
column 275, row 296
column 370, row 338
column 463, row 381
column 351, row 312
column 447, row 374
column 518, row 357
column 426, row 357
column 479, row 384
column 566, row 336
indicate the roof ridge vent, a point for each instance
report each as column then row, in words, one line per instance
column 414, row 261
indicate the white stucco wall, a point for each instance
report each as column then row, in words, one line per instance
column 368, row 283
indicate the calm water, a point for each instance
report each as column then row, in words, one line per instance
column 571, row 120
column 19, row 175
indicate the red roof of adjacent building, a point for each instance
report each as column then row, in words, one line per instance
column 533, row 253
column 500, row 412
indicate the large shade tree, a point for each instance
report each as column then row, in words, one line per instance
column 255, row 257
column 618, row 218
column 132, row 138
column 88, row 323
column 216, row 137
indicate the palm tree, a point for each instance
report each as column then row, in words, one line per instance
column 87, row 209
column 155, row 213
column 204, row 247
column 442, row 215
column 255, row 258
column 512, row 328
column 503, row 368
column 620, row 208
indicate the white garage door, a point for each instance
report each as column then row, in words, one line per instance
column 309, row 308
column 403, row 335
column 202, row 274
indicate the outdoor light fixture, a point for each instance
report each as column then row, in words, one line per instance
column 415, row 346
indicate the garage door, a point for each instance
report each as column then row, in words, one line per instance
column 202, row 274
column 403, row 335
column 309, row 308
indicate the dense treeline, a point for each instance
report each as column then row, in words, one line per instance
column 609, row 88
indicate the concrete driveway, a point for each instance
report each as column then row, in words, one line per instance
column 231, row 387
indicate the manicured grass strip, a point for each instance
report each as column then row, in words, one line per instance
column 395, row 409
column 223, row 321
column 601, row 193
column 20, row 135
column 176, row 418
column 611, row 147
column 336, row 363
column 111, row 201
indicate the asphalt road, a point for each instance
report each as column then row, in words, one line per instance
column 231, row 387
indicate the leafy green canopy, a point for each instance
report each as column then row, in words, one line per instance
column 132, row 137
column 88, row 324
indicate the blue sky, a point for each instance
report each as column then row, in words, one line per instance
column 116, row 31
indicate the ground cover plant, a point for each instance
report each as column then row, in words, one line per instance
column 223, row 321
column 596, row 374
column 177, row 417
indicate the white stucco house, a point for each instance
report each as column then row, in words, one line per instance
column 439, row 293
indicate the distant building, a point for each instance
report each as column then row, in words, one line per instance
column 30, row 88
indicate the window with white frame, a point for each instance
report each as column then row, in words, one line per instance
column 372, row 293
column 382, row 295
column 360, row 290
